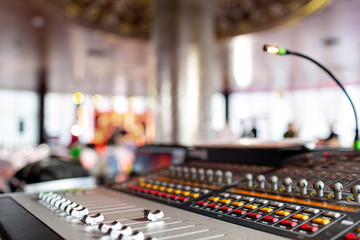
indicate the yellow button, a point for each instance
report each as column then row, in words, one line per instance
column 322, row 221
column 251, row 206
column 301, row 216
column 148, row 185
column 177, row 191
column 238, row 204
column 225, row 201
column 194, row 195
column 266, row 209
column 185, row 193
column 155, row 187
column 162, row 188
column 358, row 230
column 214, row 199
column 282, row 213
column 169, row 190
column 142, row 184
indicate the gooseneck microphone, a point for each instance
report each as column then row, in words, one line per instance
column 282, row 51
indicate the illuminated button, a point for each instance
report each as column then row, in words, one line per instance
column 254, row 215
column 312, row 210
column 148, row 185
column 234, row 196
column 237, row 204
column 164, row 194
column 282, row 213
column 224, row 194
column 142, row 184
column 157, row 193
column 262, row 201
column 249, row 199
column 213, row 199
column 177, row 191
column 301, row 216
column 183, row 199
column 309, row 228
column 142, row 189
column 225, row 201
column 213, row 205
column 271, row 219
column 332, row 214
column 130, row 187
column 293, row 207
column 136, row 188
column 149, row 191
column 351, row 236
column 322, row 221
column 288, row 223
column 266, row 209
column 347, row 222
column 358, row 230
column 202, row 203
column 169, row 190
column 240, row 212
column 277, row 204
column 162, row 188
column 155, row 187
column 194, row 195
column 251, row 206
column 185, row 193
column 226, row 209
column 173, row 196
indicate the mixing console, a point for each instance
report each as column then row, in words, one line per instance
column 313, row 195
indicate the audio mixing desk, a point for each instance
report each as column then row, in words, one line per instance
column 316, row 195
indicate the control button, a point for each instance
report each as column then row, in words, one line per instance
column 210, row 175
column 322, row 221
column 249, row 199
column 224, row 194
column 177, row 191
column 149, row 191
column 282, row 213
column 254, row 215
column 218, row 176
column 234, row 196
column 213, row 205
column 358, row 230
column 164, row 194
column 173, row 196
column 194, row 195
column 301, row 216
column 293, row 207
column 319, row 188
column 261, row 180
column 351, row 236
column 226, row 209
column 332, row 214
column 148, row 185
column 153, row 216
column 251, row 206
column 288, row 223
column 142, row 184
column 347, row 222
column 104, row 228
column 277, row 204
column 169, row 190
column 309, row 228
column 355, row 190
column 183, row 199
column 288, row 184
column 237, row 204
column 204, row 191
column 92, row 220
column 302, row 184
column 124, row 231
column 79, row 213
column 262, row 201
column 312, row 210
column 240, row 212
column 202, row 203
column 185, row 193
column 266, row 209
column 225, row 201
column 271, row 219
column 249, row 180
column 337, row 188
column 196, row 189
column 157, row 193
column 274, row 182
column 136, row 235
column 162, row 188
column 63, row 205
column 213, row 199
column 58, row 202
column 142, row 189
column 155, row 187
column 228, row 177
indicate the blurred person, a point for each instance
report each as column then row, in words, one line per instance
column 6, row 173
column 290, row 132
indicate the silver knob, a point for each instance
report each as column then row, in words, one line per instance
column 337, row 188
column 186, row 174
column 261, row 180
column 319, row 188
column 274, row 182
column 201, row 174
column 355, row 190
column 210, row 175
column 302, row 184
column 288, row 184
column 219, row 176
column 193, row 173
column 229, row 177
column 249, row 180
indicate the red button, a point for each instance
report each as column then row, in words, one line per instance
column 183, row 199
column 254, row 215
column 309, row 228
column 130, row 187
column 226, row 209
column 149, row 191
column 173, row 196
column 136, row 188
column 351, row 236
column 142, row 189
column 213, row 205
column 156, row 192
column 164, row 194
column 238, row 211
column 271, row 219
column 288, row 223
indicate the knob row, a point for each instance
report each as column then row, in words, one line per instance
column 201, row 175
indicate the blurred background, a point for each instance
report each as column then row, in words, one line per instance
column 90, row 81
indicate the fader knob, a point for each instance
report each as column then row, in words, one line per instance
column 210, row 175
column 319, row 188
column 261, row 180
column 337, row 188
column 249, row 180
column 218, row 176
column 228, row 177
column 302, row 184
column 274, row 182
column 355, row 190
column 288, row 184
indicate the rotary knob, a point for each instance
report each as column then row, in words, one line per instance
column 302, row 184
column 288, row 184
column 249, row 180
column 274, row 182
column 186, row 174
column 319, row 188
column 201, row 175
column 228, row 177
column 337, row 189
column 355, row 190
column 219, row 176
column 193, row 173
column 261, row 180
column 210, row 175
